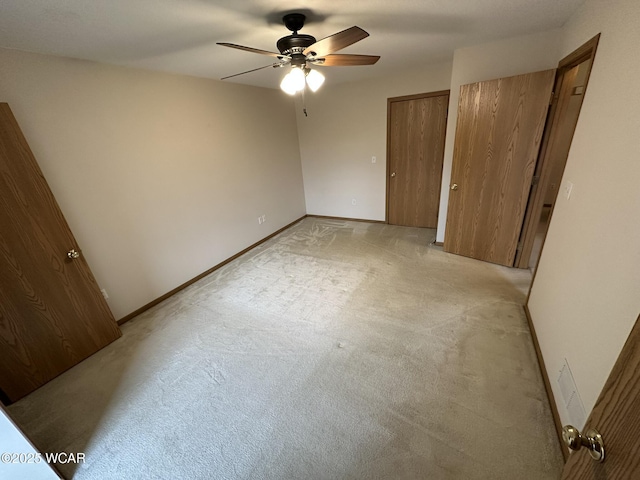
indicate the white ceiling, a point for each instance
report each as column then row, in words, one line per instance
column 180, row 35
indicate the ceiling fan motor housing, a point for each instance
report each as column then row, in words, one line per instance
column 295, row 43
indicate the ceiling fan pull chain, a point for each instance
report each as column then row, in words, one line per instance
column 304, row 101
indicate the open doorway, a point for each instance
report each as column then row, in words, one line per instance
column 570, row 86
column 570, row 101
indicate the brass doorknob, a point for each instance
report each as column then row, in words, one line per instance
column 73, row 254
column 393, row 174
column 592, row 440
column 454, row 186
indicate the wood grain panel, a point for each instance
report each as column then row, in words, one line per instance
column 417, row 128
column 500, row 125
column 348, row 60
column 335, row 42
column 52, row 314
column 616, row 415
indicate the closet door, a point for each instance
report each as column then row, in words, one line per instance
column 52, row 314
column 498, row 134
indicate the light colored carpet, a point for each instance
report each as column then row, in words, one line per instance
column 337, row 350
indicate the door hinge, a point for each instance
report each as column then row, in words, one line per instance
column 519, row 246
column 552, row 98
column 535, row 180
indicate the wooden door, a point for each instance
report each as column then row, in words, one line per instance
column 616, row 416
column 416, row 135
column 498, row 133
column 52, row 314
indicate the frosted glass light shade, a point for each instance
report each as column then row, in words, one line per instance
column 315, row 80
column 293, row 81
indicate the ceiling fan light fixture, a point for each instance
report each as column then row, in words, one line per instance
column 293, row 81
column 299, row 51
column 315, row 80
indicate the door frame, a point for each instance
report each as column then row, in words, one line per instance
column 390, row 101
column 588, row 50
column 543, row 166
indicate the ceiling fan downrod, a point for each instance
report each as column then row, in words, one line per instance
column 294, row 21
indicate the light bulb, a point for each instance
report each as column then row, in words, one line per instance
column 315, row 80
column 286, row 85
column 293, row 82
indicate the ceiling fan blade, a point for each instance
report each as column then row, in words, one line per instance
column 336, row 42
column 346, row 60
column 252, row 50
column 256, row 69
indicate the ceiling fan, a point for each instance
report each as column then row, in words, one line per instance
column 300, row 51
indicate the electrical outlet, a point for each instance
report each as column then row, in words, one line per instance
column 353, row 201
column 104, row 293
column 374, row 159
column 259, row 220
column 264, row 218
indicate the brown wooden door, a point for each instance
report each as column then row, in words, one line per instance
column 52, row 314
column 616, row 416
column 500, row 125
column 417, row 126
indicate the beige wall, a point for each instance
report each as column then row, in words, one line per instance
column 346, row 126
column 160, row 176
column 584, row 300
column 502, row 58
